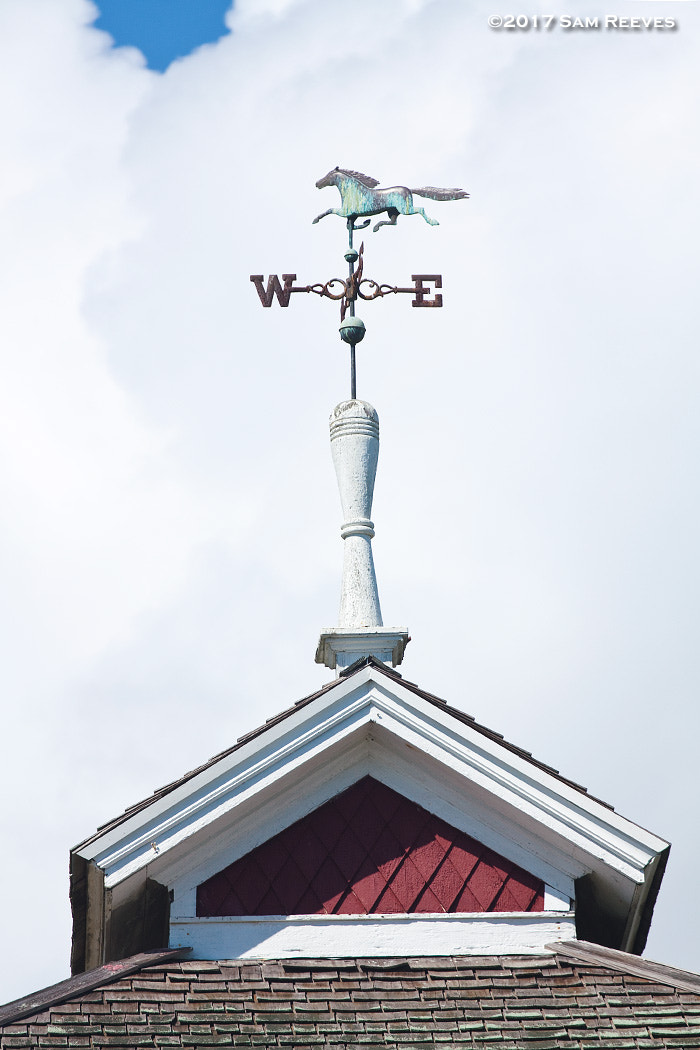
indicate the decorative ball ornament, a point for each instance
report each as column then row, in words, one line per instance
column 352, row 330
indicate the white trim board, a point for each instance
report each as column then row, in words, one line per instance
column 352, row 936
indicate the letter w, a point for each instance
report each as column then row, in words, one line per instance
column 274, row 288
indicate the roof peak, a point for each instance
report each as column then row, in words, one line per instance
column 364, row 662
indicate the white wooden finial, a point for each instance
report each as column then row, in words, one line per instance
column 355, row 449
column 354, row 429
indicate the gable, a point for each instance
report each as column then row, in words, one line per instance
column 369, row 850
column 368, row 723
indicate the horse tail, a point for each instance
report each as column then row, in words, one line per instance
column 434, row 193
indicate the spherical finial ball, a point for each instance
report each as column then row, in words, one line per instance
column 352, row 330
column 351, row 255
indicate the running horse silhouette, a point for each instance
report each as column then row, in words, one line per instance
column 360, row 196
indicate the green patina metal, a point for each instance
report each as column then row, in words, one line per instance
column 362, row 195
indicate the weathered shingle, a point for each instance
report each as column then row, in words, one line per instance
column 547, row 1002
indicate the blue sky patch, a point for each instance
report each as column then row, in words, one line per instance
column 163, row 29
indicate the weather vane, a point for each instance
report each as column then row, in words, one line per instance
column 362, row 196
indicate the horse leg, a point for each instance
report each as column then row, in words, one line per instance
column 331, row 211
column 421, row 211
column 391, row 221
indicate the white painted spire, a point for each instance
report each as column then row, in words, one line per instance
column 355, row 449
column 354, row 429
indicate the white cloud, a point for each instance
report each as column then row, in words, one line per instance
column 169, row 539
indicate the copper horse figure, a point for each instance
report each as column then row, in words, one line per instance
column 360, row 196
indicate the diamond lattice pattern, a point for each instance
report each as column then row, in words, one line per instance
column 365, row 851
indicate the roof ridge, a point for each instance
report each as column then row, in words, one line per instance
column 79, row 984
column 589, row 954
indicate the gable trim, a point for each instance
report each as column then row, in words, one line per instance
column 595, row 829
column 346, row 936
column 274, row 722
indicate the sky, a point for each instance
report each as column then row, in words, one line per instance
column 169, row 539
column 163, row 30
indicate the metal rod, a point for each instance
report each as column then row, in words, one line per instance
column 353, row 370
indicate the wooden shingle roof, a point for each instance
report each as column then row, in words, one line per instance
column 579, row 998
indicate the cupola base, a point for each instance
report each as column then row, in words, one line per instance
column 339, row 648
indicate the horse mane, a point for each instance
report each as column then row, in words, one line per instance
column 366, row 180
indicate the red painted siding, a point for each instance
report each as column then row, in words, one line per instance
column 365, row 851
